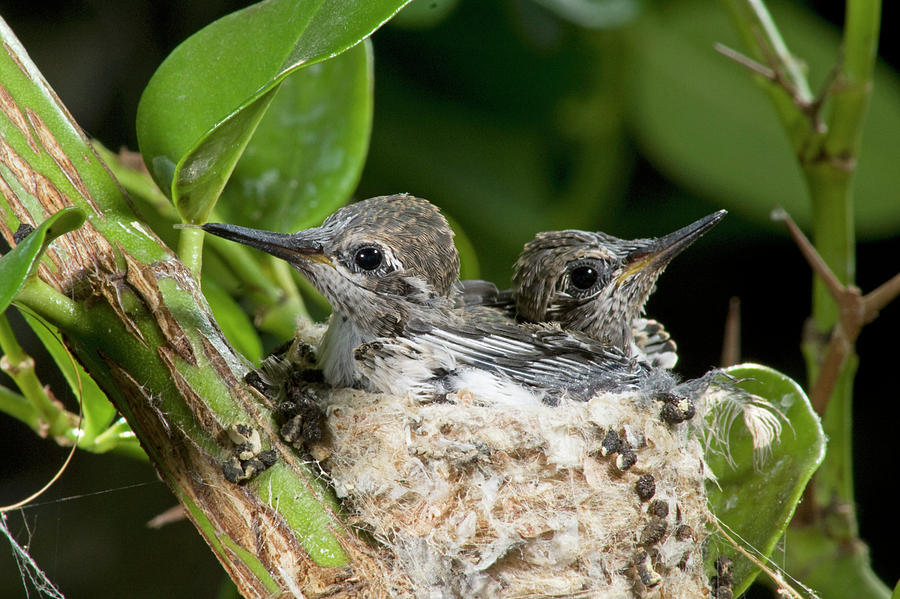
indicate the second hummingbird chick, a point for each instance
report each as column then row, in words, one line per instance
column 598, row 284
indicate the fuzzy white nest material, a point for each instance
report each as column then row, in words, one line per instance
column 484, row 499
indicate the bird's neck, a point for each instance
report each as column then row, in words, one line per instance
column 379, row 317
column 335, row 351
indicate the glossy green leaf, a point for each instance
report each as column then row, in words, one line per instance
column 97, row 411
column 702, row 119
column 234, row 321
column 306, row 156
column 595, row 14
column 17, row 264
column 756, row 502
column 202, row 105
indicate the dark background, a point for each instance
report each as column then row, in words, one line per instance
column 88, row 531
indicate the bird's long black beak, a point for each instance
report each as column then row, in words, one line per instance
column 293, row 248
column 655, row 255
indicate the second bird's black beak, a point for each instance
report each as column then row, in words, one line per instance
column 294, row 248
column 657, row 253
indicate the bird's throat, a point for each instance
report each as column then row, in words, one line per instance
column 335, row 351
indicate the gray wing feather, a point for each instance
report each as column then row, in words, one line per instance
column 535, row 355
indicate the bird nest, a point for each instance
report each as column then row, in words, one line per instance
column 475, row 497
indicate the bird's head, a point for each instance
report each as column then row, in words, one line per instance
column 593, row 282
column 367, row 257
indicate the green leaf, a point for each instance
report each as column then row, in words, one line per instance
column 203, row 103
column 17, row 264
column 758, row 502
column 702, row 120
column 97, row 411
column 234, row 321
column 595, row 14
column 307, row 154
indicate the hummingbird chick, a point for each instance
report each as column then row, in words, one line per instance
column 598, row 284
column 388, row 267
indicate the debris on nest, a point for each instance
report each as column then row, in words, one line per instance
column 477, row 499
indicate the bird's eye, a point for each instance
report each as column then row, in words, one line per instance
column 368, row 258
column 583, row 277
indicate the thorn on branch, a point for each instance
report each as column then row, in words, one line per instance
column 731, row 341
column 855, row 311
column 746, row 61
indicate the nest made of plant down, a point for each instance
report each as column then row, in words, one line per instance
column 474, row 497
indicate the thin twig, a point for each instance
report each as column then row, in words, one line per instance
column 880, row 297
column 818, row 265
column 746, row 61
column 731, row 340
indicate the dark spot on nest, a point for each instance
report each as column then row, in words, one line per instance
column 658, row 508
column 684, row 532
column 676, row 409
column 627, row 458
column 721, row 584
column 654, row 531
column 611, row 443
column 645, row 487
column 301, row 418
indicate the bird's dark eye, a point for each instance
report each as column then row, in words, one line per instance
column 368, row 258
column 583, row 277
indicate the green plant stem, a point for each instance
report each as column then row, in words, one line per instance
column 20, row 368
column 830, row 179
column 15, row 405
column 142, row 329
column 9, row 344
column 190, row 249
column 53, row 306
column 833, row 234
column 793, row 69
column 850, row 96
column 118, row 438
